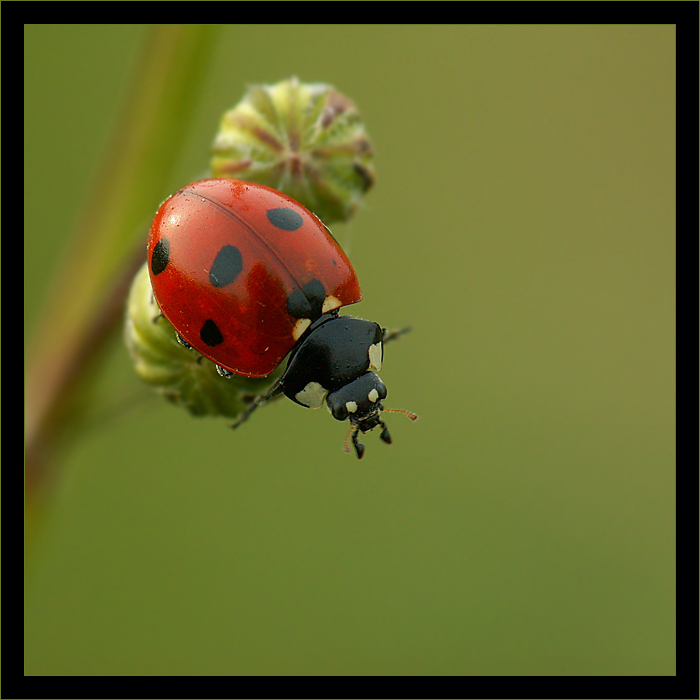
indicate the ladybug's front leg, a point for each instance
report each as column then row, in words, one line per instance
column 359, row 447
column 275, row 390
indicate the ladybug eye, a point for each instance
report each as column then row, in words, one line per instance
column 339, row 411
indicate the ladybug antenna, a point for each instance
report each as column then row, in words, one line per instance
column 408, row 414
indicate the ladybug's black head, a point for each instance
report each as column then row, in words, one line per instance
column 360, row 402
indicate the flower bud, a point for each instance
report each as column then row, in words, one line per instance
column 304, row 139
column 181, row 375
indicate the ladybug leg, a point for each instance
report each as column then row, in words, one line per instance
column 275, row 390
column 392, row 334
column 359, row 447
column 385, row 434
column 154, row 303
column 187, row 346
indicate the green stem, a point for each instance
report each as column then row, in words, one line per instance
column 87, row 300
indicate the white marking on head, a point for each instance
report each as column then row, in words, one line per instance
column 373, row 396
column 375, row 356
column 299, row 327
column 330, row 303
column 312, row 395
column 351, row 406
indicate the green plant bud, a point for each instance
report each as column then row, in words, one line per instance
column 181, row 375
column 304, row 139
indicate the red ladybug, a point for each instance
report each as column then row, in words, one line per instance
column 245, row 275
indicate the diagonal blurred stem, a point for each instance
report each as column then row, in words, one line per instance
column 87, row 299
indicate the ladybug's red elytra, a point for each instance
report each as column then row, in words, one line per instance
column 245, row 275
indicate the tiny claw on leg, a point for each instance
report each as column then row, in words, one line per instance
column 359, row 447
column 385, row 434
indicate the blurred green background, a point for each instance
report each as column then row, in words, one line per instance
column 523, row 223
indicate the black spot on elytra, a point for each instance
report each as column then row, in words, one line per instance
column 285, row 218
column 308, row 301
column 210, row 334
column 227, row 265
column 160, row 256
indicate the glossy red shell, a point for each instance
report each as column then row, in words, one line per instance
column 240, row 270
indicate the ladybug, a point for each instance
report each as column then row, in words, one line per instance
column 247, row 276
